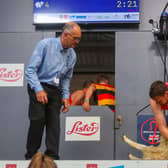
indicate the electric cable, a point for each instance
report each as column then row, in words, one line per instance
column 164, row 60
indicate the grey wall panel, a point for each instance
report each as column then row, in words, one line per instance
column 13, row 125
column 89, row 150
column 15, row 48
column 128, row 112
column 16, row 16
column 138, row 64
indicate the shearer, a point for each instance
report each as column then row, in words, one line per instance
column 159, row 101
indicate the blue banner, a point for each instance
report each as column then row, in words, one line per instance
column 147, row 130
column 85, row 6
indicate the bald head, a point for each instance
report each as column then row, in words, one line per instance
column 72, row 27
column 71, row 35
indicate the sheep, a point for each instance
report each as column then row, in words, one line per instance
column 159, row 152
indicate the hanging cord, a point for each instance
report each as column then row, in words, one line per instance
column 142, row 109
column 163, row 59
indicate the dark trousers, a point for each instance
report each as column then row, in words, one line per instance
column 44, row 116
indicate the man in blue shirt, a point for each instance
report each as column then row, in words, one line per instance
column 48, row 75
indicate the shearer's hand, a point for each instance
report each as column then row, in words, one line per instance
column 42, row 97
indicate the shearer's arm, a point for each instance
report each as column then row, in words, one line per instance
column 89, row 93
column 160, row 118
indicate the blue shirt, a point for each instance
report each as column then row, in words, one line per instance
column 49, row 60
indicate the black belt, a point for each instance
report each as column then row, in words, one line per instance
column 49, row 85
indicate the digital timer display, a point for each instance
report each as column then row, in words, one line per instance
column 132, row 4
column 61, row 11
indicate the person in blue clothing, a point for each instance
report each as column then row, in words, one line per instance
column 48, row 76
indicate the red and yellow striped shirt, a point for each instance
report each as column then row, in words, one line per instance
column 105, row 95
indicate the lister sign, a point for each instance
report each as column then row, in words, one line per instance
column 11, row 74
column 82, row 129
